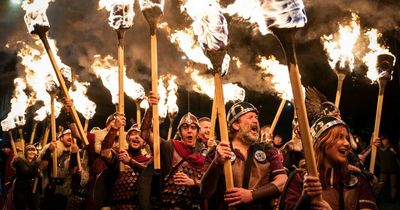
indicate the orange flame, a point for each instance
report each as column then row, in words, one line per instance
column 121, row 12
column 370, row 59
column 35, row 13
column 82, row 103
column 205, row 85
column 107, row 70
column 340, row 45
column 280, row 76
column 162, row 92
column 172, row 88
column 19, row 103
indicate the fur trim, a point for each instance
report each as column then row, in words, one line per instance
column 98, row 139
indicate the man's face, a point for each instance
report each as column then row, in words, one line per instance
column 248, row 128
column 189, row 134
column 277, row 140
column 204, row 133
column 135, row 141
column 66, row 139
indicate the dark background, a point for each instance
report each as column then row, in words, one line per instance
column 82, row 31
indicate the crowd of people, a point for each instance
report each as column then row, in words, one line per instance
column 267, row 173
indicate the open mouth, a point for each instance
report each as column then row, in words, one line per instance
column 343, row 151
column 254, row 128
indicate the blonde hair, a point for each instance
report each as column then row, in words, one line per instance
column 324, row 142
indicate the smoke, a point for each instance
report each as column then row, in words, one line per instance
column 82, row 31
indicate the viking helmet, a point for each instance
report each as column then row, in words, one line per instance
column 323, row 124
column 238, row 110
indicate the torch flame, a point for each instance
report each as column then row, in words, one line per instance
column 205, row 85
column 144, row 104
column 82, row 103
column 280, row 76
column 107, row 70
column 148, row 4
column 284, row 13
column 340, row 45
column 249, row 10
column 19, row 103
column 39, row 74
column 35, row 13
column 162, row 92
column 370, row 59
column 121, row 12
column 172, row 88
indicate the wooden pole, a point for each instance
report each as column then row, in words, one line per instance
column 171, row 122
column 35, row 183
column 223, row 127
column 12, row 143
column 138, row 113
column 33, row 132
column 86, row 125
column 154, row 88
column 46, row 135
column 340, row 77
column 277, row 115
column 287, row 40
column 121, row 103
column 213, row 116
column 64, row 89
column 21, row 136
column 382, row 84
column 78, row 158
column 53, row 136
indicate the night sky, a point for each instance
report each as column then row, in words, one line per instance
column 81, row 31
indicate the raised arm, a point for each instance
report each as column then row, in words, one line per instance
column 146, row 126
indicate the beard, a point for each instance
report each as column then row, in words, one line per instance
column 247, row 137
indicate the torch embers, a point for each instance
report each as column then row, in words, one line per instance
column 37, row 23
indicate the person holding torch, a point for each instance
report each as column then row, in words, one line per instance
column 339, row 187
column 257, row 170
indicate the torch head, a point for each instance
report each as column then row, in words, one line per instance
column 339, row 69
column 152, row 11
column 384, row 65
column 216, row 57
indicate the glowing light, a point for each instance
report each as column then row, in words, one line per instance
column 121, row 12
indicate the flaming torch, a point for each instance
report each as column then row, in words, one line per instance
column 83, row 105
column 16, row 117
column 121, row 19
column 37, row 23
column 340, row 51
column 281, row 81
column 212, row 31
column 380, row 64
column 284, row 18
column 152, row 11
column 173, row 109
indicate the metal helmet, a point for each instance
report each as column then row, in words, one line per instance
column 134, row 127
column 238, row 110
column 323, row 124
column 189, row 118
column 66, row 131
column 328, row 109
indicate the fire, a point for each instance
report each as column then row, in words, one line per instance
column 370, row 59
column 280, row 76
column 284, row 13
column 82, row 103
column 237, row 62
column 172, row 88
column 35, row 13
column 107, row 70
column 144, row 104
column 19, row 103
column 148, row 4
column 121, row 12
column 38, row 69
column 249, row 10
column 205, row 85
column 187, row 43
column 162, row 93
column 340, row 45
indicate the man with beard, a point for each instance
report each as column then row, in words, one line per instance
column 258, row 173
column 204, row 140
column 125, row 188
column 182, row 165
column 58, row 189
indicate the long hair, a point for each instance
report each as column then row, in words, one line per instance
column 322, row 144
